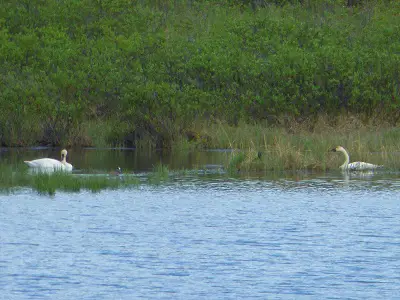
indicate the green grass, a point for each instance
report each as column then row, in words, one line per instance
column 104, row 133
column 18, row 176
column 160, row 173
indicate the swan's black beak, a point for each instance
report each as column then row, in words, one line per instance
column 332, row 150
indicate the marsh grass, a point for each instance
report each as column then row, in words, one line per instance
column 300, row 146
column 11, row 176
column 295, row 145
column 104, row 133
column 183, row 144
column 14, row 176
column 160, row 173
column 19, row 176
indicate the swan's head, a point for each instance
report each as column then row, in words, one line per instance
column 338, row 149
column 63, row 154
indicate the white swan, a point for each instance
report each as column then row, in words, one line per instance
column 354, row 166
column 50, row 163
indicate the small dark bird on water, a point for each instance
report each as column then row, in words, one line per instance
column 117, row 172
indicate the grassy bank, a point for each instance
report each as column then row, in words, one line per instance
column 138, row 73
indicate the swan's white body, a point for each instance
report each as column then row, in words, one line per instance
column 51, row 164
column 354, row 166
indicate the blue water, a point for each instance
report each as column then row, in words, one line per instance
column 216, row 238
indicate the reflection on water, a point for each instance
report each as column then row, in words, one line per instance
column 204, row 234
column 86, row 160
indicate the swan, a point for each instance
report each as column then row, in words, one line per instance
column 50, row 163
column 354, row 166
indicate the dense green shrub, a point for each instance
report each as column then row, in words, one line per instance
column 65, row 63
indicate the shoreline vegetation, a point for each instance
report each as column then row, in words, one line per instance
column 290, row 79
column 240, row 164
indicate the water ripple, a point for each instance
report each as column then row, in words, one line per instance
column 326, row 237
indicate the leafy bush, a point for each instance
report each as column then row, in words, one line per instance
column 65, row 63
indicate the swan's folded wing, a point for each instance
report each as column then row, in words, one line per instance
column 359, row 165
column 67, row 167
column 45, row 163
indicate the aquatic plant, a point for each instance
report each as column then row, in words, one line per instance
column 235, row 162
column 12, row 177
column 160, row 173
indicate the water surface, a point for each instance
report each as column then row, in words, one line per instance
column 130, row 160
column 319, row 236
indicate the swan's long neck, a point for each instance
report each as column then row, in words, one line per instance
column 63, row 159
column 347, row 159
